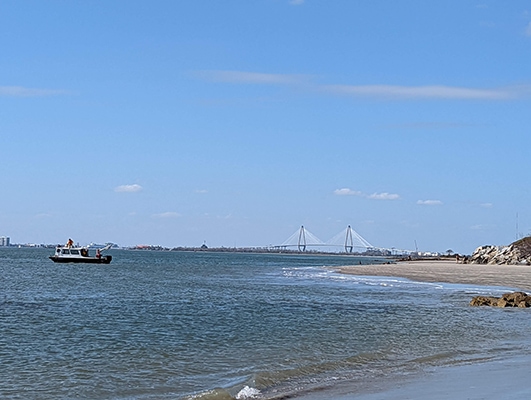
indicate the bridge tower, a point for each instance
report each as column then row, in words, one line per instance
column 302, row 239
column 349, row 243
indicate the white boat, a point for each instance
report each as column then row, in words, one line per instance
column 77, row 254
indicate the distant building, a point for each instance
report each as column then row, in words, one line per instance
column 4, row 241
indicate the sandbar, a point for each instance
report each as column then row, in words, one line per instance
column 510, row 276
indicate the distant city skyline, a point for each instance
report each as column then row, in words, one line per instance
column 4, row 241
column 180, row 123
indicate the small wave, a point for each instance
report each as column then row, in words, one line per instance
column 325, row 273
column 214, row 394
column 247, row 393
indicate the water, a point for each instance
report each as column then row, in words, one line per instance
column 177, row 325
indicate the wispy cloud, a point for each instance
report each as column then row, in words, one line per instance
column 384, row 196
column 377, row 91
column 430, row 125
column 296, row 2
column 44, row 215
column 19, row 91
column 430, row 202
column 128, row 188
column 420, row 92
column 168, row 214
column 374, row 196
column 528, row 30
column 482, row 227
column 347, row 192
column 486, row 205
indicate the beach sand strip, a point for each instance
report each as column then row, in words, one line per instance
column 510, row 276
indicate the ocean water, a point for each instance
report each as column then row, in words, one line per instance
column 184, row 325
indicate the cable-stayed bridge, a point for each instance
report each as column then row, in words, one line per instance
column 348, row 238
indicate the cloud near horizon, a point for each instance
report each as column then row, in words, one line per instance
column 430, row 202
column 347, row 192
column 382, row 92
column 374, row 196
column 168, row 214
column 384, row 196
column 128, row 188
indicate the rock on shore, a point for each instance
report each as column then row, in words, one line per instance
column 518, row 252
column 514, row 299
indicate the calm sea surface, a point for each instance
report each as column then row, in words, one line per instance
column 178, row 325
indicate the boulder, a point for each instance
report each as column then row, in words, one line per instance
column 518, row 252
column 510, row 255
column 484, row 301
column 513, row 299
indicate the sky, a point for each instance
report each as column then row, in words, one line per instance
column 233, row 123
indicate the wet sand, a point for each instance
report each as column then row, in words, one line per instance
column 494, row 380
column 511, row 276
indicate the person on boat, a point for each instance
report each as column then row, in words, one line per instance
column 70, row 243
column 98, row 253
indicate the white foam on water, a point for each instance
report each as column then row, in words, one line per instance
column 389, row 281
column 247, row 393
column 382, row 281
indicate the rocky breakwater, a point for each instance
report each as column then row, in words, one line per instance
column 518, row 252
column 514, row 299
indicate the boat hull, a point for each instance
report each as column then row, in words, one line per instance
column 82, row 260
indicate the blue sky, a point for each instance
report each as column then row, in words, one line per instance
column 236, row 122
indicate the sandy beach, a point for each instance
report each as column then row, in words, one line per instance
column 512, row 276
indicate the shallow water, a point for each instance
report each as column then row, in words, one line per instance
column 171, row 325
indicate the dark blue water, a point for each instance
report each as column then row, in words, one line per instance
column 172, row 325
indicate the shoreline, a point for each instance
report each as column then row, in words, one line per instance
column 489, row 379
column 510, row 276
